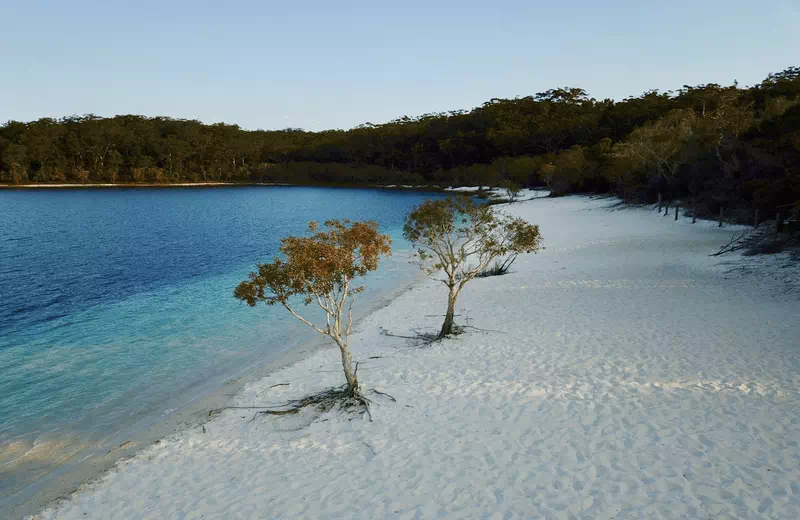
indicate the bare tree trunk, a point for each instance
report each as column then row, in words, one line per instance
column 506, row 265
column 347, row 364
column 447, row 326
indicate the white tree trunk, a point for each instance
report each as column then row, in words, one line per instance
column 447, row 326
column 347, row 365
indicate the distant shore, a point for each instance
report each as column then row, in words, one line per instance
column 68, row 185
column 132, row 185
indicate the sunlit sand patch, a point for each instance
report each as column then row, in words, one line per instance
column 712, row 385
column 619, row 284
column 32, row 455
column 505, row 389
column 13, row 450
column 609, row 284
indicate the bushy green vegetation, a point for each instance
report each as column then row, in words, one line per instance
column 716, row 145
column 460, row 238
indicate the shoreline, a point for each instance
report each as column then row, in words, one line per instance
column 480, row 191
column 130, row 440
column 511, row 403
column 66, row 186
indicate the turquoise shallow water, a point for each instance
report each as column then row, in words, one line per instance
column 116, row 305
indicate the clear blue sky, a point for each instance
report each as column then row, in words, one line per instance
column 336, row 64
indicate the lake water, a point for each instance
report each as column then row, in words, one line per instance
column 116, row 308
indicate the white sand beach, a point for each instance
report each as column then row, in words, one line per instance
column 620, row 373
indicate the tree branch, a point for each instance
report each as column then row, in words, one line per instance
column 288, row 308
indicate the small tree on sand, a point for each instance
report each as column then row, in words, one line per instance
column 322, row 269
column 512, row 189
column 461, row 238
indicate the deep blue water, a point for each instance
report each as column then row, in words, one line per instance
column 113, row 301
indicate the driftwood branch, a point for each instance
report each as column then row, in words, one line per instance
column 737, row 242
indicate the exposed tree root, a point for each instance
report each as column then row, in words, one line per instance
column 482, row 330
column 470, row 326
column 423, row 338
column 429, row 338
column 374, row 453
column 384, row 394
column 343, row 398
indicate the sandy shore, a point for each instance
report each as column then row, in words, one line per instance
column 621, row 373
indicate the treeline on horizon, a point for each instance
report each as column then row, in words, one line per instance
column 718, row 146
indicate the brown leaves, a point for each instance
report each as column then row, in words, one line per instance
column 317, row 265
column 320, row 268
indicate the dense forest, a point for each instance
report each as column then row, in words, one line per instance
column 715, row 145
